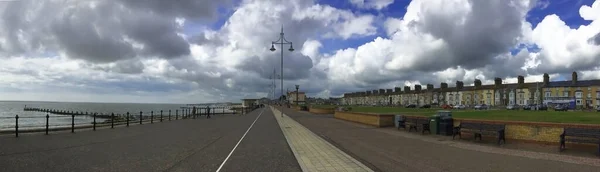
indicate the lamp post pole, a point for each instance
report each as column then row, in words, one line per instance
column 281, row 41
column 297, row 87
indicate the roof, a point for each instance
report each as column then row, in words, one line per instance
column 585, row 83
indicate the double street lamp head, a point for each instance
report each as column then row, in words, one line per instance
column 297, row 87
column 273, row 47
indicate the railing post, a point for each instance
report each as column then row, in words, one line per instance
column 127, row 119
column 112, row 120
column 169, row 114
column 94, row 123
column 72, row 123
column 193, row 115
column 161, row 117
column 176, row 114
column 17, row 126
column 151, row 117
column 140, row 117
column 47, row 120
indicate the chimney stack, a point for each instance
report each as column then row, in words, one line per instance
column 497, row 82
column 369, row 93
column 574, row 78
column 375, row 92
column 397, row 89
column 418, row 88
column 429, row 87
column 459, row 85
column 406, row 88
column 546, row 79
column 444, row 85
column 381, row 91
column 389, row 91
column 477, row 83
column 521, row 80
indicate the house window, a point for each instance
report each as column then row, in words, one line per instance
column 598, row 95
column 565, row 94
column 589, row 95
column 589, row 88
column 578, row 94
column 548, row 94
column 578, row 102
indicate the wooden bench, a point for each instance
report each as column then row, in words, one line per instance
column 479, row 129
column 402, row 123
column 580, row 135
column 415, row 123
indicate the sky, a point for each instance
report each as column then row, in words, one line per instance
column 199, row 51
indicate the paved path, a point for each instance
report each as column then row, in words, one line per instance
column 185, row 145
column 312, row 152
column 385, row 149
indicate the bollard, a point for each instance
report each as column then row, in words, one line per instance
column 47, row 119
column 94, row 123
column 127, row 119
column 151, row 117
column 176, row 114
column 161, row 116
column 169, row 114
column 72, row 123
column 17, row 126
column 112, row 120
column 140, row 117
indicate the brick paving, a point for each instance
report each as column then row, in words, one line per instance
column 312, row 152
column 386, row 149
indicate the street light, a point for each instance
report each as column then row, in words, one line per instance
column 297, row 87
column 281, row 41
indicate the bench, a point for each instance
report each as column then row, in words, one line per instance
column 414, row 123
column 479, row 129
column 580, row 135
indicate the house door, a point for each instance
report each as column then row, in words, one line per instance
column 390, row 103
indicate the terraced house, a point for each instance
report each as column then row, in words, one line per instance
column 578, row 94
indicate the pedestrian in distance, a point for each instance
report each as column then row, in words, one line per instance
column 207, row 112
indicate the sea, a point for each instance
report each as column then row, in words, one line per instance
column 32, row 119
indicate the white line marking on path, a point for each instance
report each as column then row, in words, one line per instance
column 238, row 143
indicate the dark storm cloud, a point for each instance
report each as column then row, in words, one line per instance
column 179, row 8
column 491, row 28
column 100, row 31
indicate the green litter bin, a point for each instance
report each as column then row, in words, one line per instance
column 434, row 124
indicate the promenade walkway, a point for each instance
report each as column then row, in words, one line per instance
column 185, row 145
column 312, row 152
column 386, row 149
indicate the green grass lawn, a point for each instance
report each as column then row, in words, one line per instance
column 323, row 106
column 506, row 115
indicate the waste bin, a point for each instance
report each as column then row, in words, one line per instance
column 399, row 121
column 434, row 122
column 446, row 124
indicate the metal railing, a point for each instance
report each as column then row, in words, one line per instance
column 72, row 120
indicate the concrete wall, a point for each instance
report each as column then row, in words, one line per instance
column 321, row 111
column 378, row 120
column 534, row 132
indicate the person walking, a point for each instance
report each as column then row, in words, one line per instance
column 207, row 112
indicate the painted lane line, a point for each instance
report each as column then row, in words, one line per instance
column 238, row 143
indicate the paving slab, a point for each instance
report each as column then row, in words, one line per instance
column 312, row 152
column 383, row 149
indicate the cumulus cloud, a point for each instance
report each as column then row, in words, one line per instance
column 164, row 52
column 372, row 4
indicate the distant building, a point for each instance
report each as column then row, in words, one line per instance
column 291, row 97
column 249, row 102
column 576, row 93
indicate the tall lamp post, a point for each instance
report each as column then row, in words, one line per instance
column 281, row 41
column 297, row 87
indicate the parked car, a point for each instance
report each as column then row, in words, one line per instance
column 425, row 106
column 460, row 107
column 512, row 107
column 542, row 107
column 446, row 106
column 480, row 107
column 560, row 108
column 411, row 106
